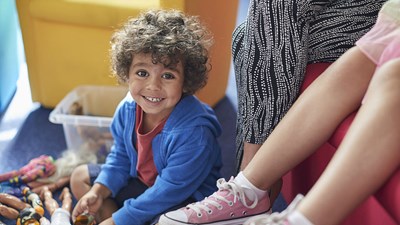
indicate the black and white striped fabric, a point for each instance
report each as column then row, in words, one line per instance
column 273, row 46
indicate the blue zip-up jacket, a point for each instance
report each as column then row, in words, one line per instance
column 186, row 154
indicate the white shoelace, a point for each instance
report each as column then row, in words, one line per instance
column 233, row 188
column 276, row 218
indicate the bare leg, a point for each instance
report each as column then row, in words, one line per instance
column 313, row 118
column 248, row 153
column 369, row 150
column 80, row 181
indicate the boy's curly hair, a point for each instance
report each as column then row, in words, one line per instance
column 169, row 36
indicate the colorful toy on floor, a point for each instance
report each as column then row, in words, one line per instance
column 59, row 216
column 28, row 216
column 8, row 212
column 65, row 164
column 13, row 201
column 42, row 166
column 10, row 189
column 68, row 161
column 11, row 205
column 33, row 199
column 39, row 186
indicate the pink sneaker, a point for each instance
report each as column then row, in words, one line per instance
column 275, row 218
column 229, row 205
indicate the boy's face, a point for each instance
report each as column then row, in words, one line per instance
column 155, row 88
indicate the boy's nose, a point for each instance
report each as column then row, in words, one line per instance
column 154, row 83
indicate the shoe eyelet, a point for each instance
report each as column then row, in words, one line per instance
column 244, row 213
column 230, row 203
column 220, row 207
column 232, row 214
column 210, row 211
column 199, row 215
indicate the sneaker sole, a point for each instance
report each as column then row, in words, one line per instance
column 168, row 221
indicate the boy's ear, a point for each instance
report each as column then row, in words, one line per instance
column 184, row 90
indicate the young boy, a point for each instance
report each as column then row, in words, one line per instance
column 165, row 151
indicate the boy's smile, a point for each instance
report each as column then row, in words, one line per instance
column 156, row 88
column 154, row 99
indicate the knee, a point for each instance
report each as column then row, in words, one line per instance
column 80, row 181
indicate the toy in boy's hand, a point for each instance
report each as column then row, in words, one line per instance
column 85, row 219
column 34, row 199
column 42, row 166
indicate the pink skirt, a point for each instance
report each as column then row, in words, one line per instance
column 382, row 42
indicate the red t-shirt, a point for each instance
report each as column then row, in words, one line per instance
column 146, row 169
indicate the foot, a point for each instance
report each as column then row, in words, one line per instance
column 229, row 205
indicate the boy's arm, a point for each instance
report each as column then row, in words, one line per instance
column 116, row 170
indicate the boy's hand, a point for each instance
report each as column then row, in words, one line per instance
column 89, row 203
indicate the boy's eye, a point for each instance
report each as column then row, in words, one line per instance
column 142, row 73
column 168, row 76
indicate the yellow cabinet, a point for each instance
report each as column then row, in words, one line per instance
column 66, row 41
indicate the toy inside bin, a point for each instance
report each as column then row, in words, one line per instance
column 86, row 114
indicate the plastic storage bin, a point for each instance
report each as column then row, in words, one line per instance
column 86, row 114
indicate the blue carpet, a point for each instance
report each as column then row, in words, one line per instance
column 38, row 136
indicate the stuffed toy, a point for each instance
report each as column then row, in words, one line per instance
column 64, row 165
